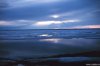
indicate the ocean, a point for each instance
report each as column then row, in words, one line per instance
column 48, row 47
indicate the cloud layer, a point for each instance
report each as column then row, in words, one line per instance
column 46, row 23
column 87, row 26
column 50, row 14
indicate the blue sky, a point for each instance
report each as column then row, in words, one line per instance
column 49, row 14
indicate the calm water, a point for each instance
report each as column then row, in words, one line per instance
column 41, row 34
column 44, row 43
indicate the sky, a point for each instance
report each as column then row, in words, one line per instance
column 49, row 14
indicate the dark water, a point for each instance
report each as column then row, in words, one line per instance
column 25, row 44
column 34, row 34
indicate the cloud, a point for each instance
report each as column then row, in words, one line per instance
column 46, row 23
column 51, row 24
column 23, row 3
column 15, row 23
column 81, row 13
column 55, row 16
column 6, row 23
column 87, row 26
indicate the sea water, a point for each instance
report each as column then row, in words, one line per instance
column 18, row 44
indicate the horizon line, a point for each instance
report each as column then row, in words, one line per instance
column 53, row 29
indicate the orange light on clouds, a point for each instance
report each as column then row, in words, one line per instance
column 88, row 26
